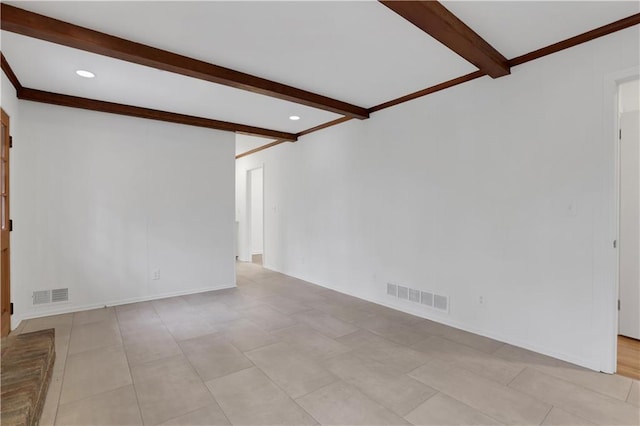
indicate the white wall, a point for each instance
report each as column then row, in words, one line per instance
column 495, row 188
column 99, row 201
column 256, row 211
column 9, row 101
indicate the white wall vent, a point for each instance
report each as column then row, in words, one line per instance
column 403, row 292
column 392, row 289
column 426, row 298
column 441, row 302
column 60, row 295
column 414, row 295
column 41, row 297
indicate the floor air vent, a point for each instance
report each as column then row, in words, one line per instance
column 60, row 295
column 392, row 289
column 426, row 298
column 403, row 292
column 41, row 297
column 441, row 302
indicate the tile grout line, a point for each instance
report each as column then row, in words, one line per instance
column 629, row 393
column 465, row 367
column 133, row 385
column 548, row 373
column 547, row 415
column 286, row 394
column 500, row 384
column 427, row 399
column 193, row 411
column 473, row 408
column 79, row 353
column 64, row 370
column 193, row 369
column 534, row 367
column 84, row 398
column 600, row 394
column 295, row 400
column 516, row 376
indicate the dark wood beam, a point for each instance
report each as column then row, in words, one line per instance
column 323, row 126
column 579, row 39
column 304, row 132
column 437, row 21
column 553, row 48
column 151, row 114
column 428, row 90
column 536, row 54
column 260, row 148
column 10, row 74
column 31, row 24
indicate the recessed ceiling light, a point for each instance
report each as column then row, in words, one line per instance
column 294, row 117
column 85, row 74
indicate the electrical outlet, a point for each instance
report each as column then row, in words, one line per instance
column 155, row 275
column 481, row 300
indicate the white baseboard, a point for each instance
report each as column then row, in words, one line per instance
column 590, row 364
column 70, row 308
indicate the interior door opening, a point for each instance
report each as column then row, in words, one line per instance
column 628, row 362
column 256, row 177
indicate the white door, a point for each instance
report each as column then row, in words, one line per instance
column 629, row 316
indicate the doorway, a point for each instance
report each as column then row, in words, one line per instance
column 628, row 362
column 256, row 208
column 5, row 228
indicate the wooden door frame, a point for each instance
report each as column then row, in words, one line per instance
column 5, row 232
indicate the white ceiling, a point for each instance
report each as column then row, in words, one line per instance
column 518, row 27
column 355, row 51
column 246, row 143
column 51, row 67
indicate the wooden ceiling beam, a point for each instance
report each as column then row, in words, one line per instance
column 151, row 114
column 31, row 24
column 13, row 78
column 323, row 126
column 428, row 91
column 548, row 50
column 260, row 148
column 604, row 30
column 437, row 21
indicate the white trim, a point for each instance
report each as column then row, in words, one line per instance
column 78, row 308
column 605, row 286
column 246, row 254
column 413, row 309
column 264, row 214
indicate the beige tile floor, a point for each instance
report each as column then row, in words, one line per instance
column 277, row 350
